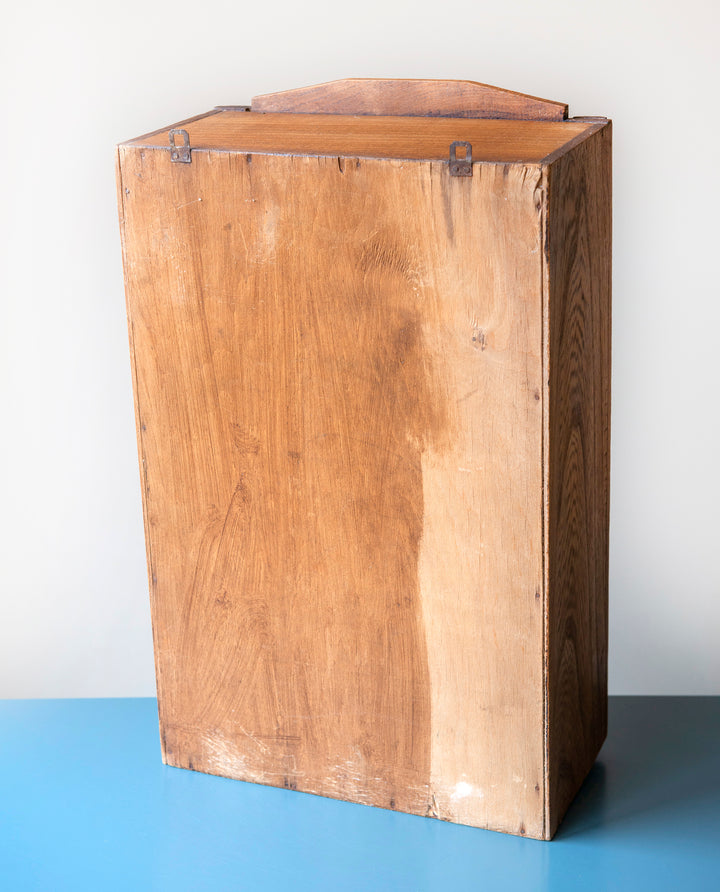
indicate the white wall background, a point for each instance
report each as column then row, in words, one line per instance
column 79, row 76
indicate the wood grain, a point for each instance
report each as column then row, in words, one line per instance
column 372, row 403
column 425, row 98
column 342, row 476
column 374, row 137
column 578, row 250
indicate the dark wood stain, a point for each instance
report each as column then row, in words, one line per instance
column 579, row 267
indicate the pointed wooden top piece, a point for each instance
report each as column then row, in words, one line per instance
column 415, row 98
column 374, row 136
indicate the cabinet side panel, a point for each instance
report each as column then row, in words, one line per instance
column 338, row 367
column 481, row 549
column 578, row 253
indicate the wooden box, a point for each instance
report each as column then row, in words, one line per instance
column 372, row 379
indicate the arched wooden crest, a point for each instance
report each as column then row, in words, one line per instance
column 423, row 98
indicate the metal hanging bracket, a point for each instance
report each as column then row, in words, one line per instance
column 460, row 167
column 180, row 152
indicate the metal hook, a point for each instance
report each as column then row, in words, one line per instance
column 180, row 152
column 460, row 167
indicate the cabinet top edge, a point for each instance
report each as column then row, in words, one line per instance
column 382, row 137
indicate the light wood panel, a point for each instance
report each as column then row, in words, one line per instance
column 481, row 549
column 375, row 137
column 340, row 403
column 428, row 98
column 578, row 461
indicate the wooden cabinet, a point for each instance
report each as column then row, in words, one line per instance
column 372, row 391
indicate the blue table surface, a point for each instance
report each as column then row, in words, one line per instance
column 85, row 803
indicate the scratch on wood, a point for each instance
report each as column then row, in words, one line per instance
column 187, row 203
